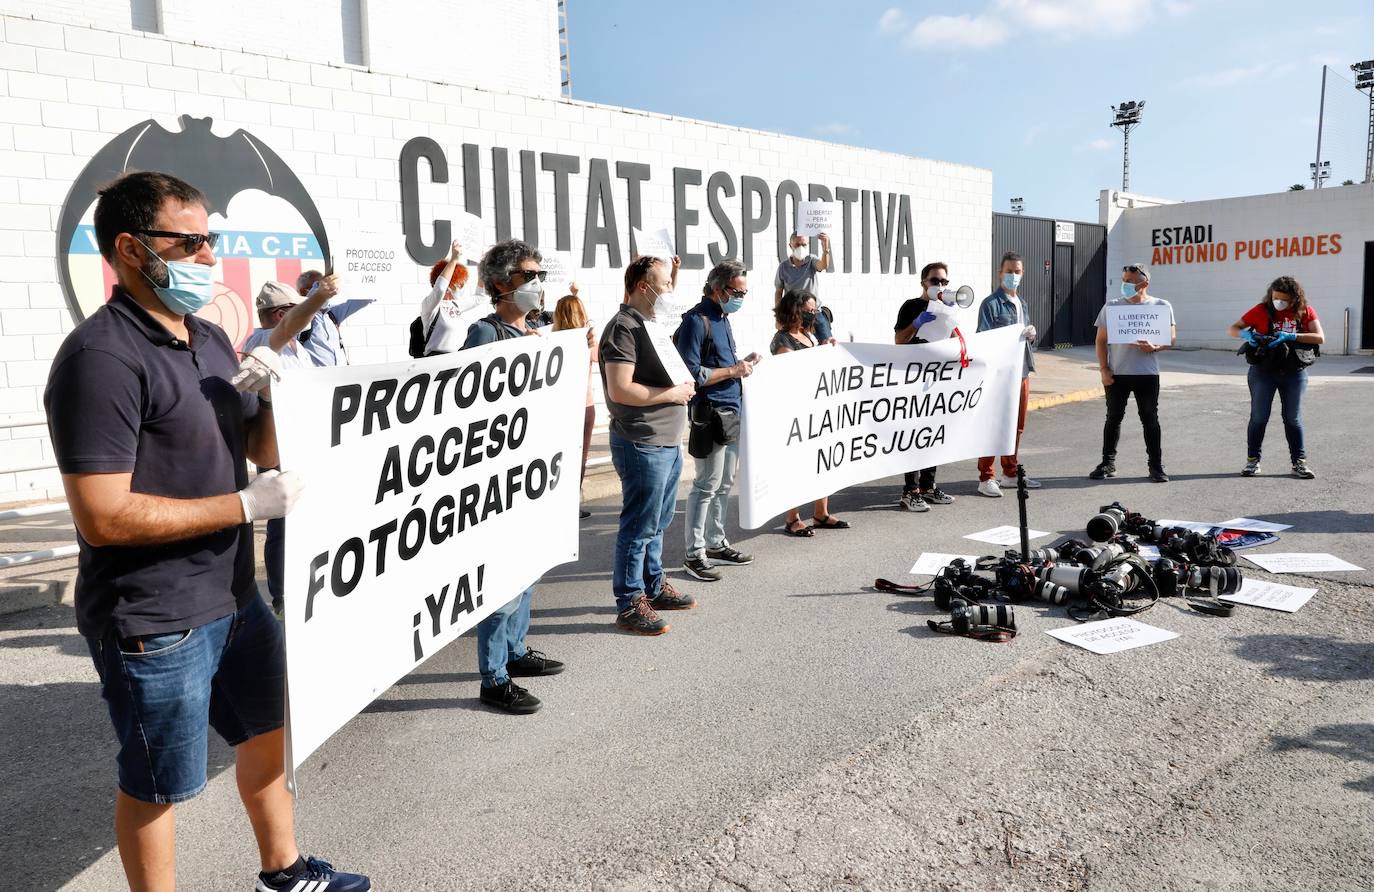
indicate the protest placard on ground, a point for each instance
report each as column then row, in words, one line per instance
column 1300, row 562
column 932, row 562
column 425, row 482
column 816, row 421
column 1004, row 535
column 1109, row 636
column 1273, row 595
column 1128, row 323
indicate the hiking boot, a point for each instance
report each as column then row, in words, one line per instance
column 729, row 555
column 1103, row 471
column 1302, row 471
column 509, row 697
column 669, row 598
column 937, row 496
column 912, row 501
column 1158, row 476
column 1251, row 469
column 699, row 568
column 641, row 618
column 533, row 663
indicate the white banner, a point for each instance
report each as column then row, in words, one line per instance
column 436, row 491
column 816, row 421
column 1128, row 323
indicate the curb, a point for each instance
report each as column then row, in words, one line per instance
column 1059, row 399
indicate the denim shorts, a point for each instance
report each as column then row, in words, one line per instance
column 229, row 673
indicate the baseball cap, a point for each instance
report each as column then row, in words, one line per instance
column 275, row 294
column 1138, row 268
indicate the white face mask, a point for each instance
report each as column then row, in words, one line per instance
column 663, row 301
column 1280, row 305
column 528, row 296
column 800, row 252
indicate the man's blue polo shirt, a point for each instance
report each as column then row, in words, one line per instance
column 125, row 396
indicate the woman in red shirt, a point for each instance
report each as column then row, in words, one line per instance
column 1286, row 314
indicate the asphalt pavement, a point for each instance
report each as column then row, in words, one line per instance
column 801, row 730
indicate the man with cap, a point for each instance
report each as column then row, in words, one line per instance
column 1132, row 369
column 282, row 318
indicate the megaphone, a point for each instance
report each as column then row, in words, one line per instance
column 963, row 297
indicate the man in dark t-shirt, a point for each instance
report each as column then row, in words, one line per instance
column 151, row 436
column 647, row 390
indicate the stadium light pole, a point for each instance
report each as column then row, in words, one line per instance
column 1364, row 80
column 1127, row 117
column 1018, row 205
column 1320, row 173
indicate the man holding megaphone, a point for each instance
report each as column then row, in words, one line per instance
column 930, row 317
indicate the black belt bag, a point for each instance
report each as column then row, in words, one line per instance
column 710, row 426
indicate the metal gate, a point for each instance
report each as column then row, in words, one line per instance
column 1065, row 283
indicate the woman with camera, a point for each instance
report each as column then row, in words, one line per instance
column 1282, row 337
column 796, row 317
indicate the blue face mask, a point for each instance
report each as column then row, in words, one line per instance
column 1010, row 281
column 190, row 286
column 733, row 305
column 1128, row 289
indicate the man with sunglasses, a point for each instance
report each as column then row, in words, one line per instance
column 919, row 491
column 510, row 272
column 1132, row 369
column 151, row 436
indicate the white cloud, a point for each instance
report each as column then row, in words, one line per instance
column 1003, row 18
column 1177, row 8
column 835, row 128
column 1101, row 144
column 892, row 20
column 955, row 31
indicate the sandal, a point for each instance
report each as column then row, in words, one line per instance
column 803, row 531
column 830, row 522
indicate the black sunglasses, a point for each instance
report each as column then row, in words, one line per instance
column 1132, row 269
column 540, row 274
column 941, row 282
column 191, row 241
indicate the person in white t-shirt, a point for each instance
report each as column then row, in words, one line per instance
column 443, row 310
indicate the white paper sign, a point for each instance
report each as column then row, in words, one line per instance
column 436, row 490
column 1254, row 526
column 932, row 562
column 815, row 217
column 1273, row 595
column 658, row 243
column 818, row 421
column 667, row 352
column 371, row 263
column 1109, row 636
column 1128, row 323
column 1004, row 535
column 1300, row 562
column 561, row 272
column 468, row 232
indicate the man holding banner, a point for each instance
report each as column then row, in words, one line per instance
column 647, row 389
column 510, row 273
column 151, row 437
column 801, row 272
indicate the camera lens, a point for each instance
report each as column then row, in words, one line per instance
column 1049, row 591
column 1068, row 576
column 1102, row 527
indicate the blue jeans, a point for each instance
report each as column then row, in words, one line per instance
column 165, row 691
column 1290, row 388
column 501, row 638
column 648, row 483
column 710, row 496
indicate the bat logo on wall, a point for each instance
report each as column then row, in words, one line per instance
column 220, row 167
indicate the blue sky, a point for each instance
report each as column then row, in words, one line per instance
column 1023, row 87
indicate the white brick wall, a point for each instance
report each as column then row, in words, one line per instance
column 341, row 129
column 1208, row 297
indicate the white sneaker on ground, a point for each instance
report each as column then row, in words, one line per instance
column 1010, row 483
column 990, row 489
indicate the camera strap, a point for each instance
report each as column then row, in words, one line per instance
column 995, row 634
column 893, row 588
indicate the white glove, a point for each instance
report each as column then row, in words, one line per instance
column 270, row 495
column 257, row 370
column 1028, row 332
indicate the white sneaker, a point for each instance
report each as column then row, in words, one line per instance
column 1010, row 483
column 990, row 489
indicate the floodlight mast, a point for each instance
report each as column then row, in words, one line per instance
column 1127, row 117
column 1364, row 80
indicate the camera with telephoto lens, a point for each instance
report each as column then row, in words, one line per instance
column 1099, row 556
column 1046, row 555
column 1110, row 520
column 965, row 617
